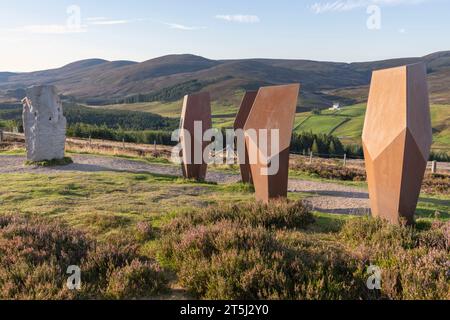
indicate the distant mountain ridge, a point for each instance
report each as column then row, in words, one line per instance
column 98, row 81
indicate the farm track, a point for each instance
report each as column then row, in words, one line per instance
column 323, row 197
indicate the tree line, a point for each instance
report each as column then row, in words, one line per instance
column 85, row 131
column 146, row 128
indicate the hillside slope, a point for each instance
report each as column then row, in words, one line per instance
column 97, row 81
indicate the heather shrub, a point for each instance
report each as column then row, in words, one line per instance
column 35, row 255
column 116, row 270
column 436, row 184
column 136, row 280
column 234, row 254
column 414, row 263
column 280, row 214
column 145, row 231
column 330, row 171
column 432, row 183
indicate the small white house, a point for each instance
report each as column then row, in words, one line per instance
column 336, row 107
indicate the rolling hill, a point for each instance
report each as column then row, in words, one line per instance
column 98, row 81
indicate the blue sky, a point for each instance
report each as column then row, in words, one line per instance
column 37, row 35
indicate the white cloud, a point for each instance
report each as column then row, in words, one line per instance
column 96, row 18
column 182, row 27
column 52, row 29
column 67, row 28
column 241, row 18
column 108, row 22
column 347, row 5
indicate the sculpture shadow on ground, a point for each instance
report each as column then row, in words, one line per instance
column 338, row 194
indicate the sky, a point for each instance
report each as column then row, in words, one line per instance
column 38, row 35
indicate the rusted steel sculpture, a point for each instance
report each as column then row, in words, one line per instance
column 195, row 120
column 241, row 118
column 397, row 139
column 273, row 110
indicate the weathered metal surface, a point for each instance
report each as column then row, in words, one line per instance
column 196, row 108
column 241, row 118
column 273, row 110
column 397, row 138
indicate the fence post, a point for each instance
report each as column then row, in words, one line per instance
column 434, row 167
column 311, row 158
column 345, row 159
column 154, row 146
column 1, row 135
column 123, row 143
column 90, row 141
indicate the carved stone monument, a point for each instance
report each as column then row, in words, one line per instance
column 397, row 139
column 195, row 121
column 241, row 118
column 44, row 124
column 273, row 112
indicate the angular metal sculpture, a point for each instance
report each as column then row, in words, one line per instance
column 195, row 121
column 273, row 110
column 241, row 118
column 44, row 124
column 397, row 139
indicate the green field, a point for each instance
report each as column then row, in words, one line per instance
column 347, row 124
column 165, row 109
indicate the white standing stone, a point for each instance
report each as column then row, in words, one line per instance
column 44, row 124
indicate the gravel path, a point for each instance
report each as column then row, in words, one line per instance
column 324, row 197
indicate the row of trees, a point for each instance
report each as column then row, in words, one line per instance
column 83, row 130
column 167, row 94
column 139, row 127
column 302, row 143
column 115, row 119
column 130, row 120
column 323, row 145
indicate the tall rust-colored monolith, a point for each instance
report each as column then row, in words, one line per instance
column 195, row 121
column 273, row 110
column 397, row 138
column 241, row 118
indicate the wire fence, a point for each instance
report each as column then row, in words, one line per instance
column 330, row 155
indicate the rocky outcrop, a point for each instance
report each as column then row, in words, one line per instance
column 44, row 124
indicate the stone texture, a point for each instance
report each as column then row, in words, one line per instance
column 274, row 109
column 44, row 124
column 397, row 138
column 196, row 108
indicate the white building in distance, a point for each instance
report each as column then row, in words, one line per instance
column 336, row 107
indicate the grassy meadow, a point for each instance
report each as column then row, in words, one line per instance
column 347, row 124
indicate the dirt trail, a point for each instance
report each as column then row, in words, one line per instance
column 324, row 197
